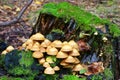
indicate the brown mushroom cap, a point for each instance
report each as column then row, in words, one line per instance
column 42, row 49
column 35, row 46
column 57, row 44
column 74, row 53
column 70, row 59
column 61, row 55
column 24, row 45
column 56, row 68
column 48, row 42
column 65, row 42
column 43, row 44
column 77, row 60
column 73, row 44
column 52, row 51
column 41, row 61
column 29, row 46
column 29, row 41
column 49, row 70
column 66, row 48
column 9, row 48
column 4, row 52
column 46, row 64
column 63, row 63
column 37, row 36
column 78, row 67
column 37, row 54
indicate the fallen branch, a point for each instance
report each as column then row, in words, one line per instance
column 16, row 20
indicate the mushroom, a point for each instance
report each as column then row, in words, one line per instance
column 57, row 44
column 70, row 59
column 49, row 70
column 73, row 44
column 52, row 51
column 46, row 43
column 35, row 46
column 63, row 63
column 37, row 54
column 61, row 55
column 42, row 49
column 4, row 52
column 56, row 68
column 65, row 42
column 41, row 61
column 74, row 53
column 66, row 48
column 29, row 41
column 77, row 60
column 37, row 36
column 46, row 64
column 29, row 46
column 78, row 67
column 9, row 48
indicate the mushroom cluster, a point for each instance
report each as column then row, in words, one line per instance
column 67, row 52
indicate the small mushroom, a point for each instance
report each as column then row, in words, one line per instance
column 63, row 63
column 74, row 53
column 65, row 43
column 42, row 49
column 48, row 42
column 78, row 67
column 61, row 55
column 41, row 61
column 77, row 60
column 49, row 70
column 9, row 48
column 4, row 52
column 56, row 68
column 43, row 44
column 37, row 36
column 37, row 54
column 66, row 48
column 70, row 59
column 29, row 46
column 29, row 41
column 46, row 64
column 74, row 44
column 35, row 47
column 57, row 44
column 52, row 51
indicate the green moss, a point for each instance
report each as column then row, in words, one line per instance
column 72, row 77
column 51, row 77
column 10, row 78
column 85, row 20
column 2, row 60
column 108, row 74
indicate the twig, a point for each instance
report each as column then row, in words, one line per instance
column 16, row 20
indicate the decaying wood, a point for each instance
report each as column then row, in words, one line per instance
column 17, row 19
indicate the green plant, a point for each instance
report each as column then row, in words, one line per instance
column 21, row 63
column 72, row 77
